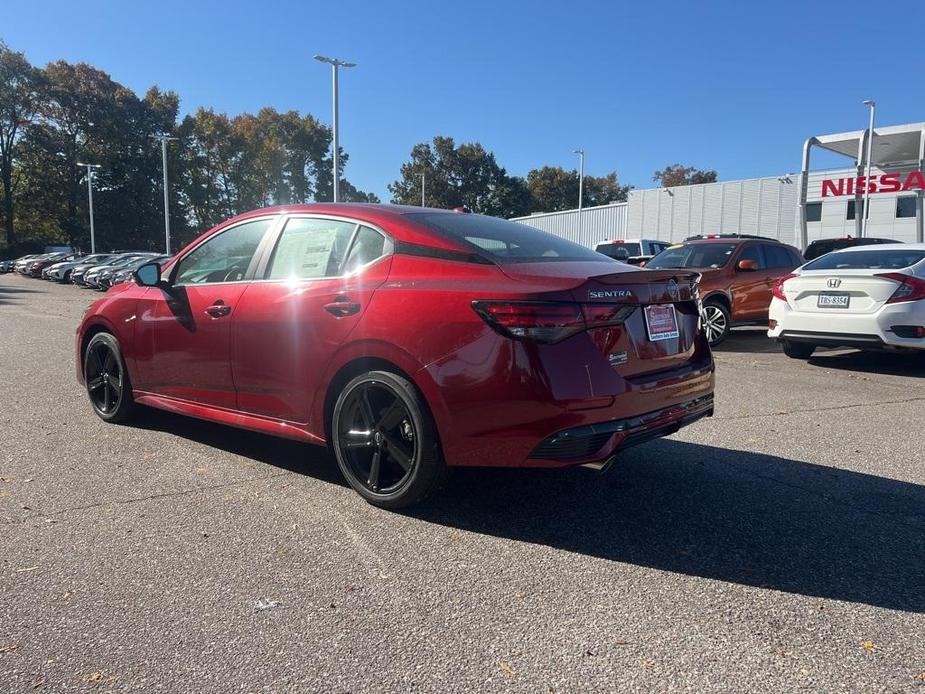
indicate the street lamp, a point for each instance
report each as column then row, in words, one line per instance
column 581, row 185
column 335, row 63
column 422, row 188
column 872, row 105
column 90, row 168
column 164, row 139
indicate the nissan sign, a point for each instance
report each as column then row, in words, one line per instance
column 887, row 183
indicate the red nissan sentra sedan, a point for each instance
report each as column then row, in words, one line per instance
column 410, row 340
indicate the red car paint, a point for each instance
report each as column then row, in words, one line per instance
column 269, row 362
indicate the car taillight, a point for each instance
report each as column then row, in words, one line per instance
column 548, row 322
column 778, row 291
column 910, row 288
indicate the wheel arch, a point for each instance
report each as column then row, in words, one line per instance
column 719, row 297
column 96, row 327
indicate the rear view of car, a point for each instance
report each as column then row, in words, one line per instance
column 631, row 251
column 867, row 297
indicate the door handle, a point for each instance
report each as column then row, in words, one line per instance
column 343, row 307
column 218, row 309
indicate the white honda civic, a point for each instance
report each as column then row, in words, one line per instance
column 868, row 297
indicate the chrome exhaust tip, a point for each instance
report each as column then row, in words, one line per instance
column 600, row 466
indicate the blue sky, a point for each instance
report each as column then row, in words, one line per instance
column 735, row 86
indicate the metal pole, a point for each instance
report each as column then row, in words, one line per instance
column 870, row 141
column 90, row 195
column 581, row 188
column 804, row 189
column 166, row 203
column 336, row 170
column 422, row 189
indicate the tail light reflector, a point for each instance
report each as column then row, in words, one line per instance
column 778, row 291
column 546, row 321
column 910, row 288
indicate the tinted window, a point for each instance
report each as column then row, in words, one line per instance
column 311, row 248
column 504, row 241
column 693, row 255
column 868, row 259
column 905, row 207
column 814, row 212
column 753, row 253
column 778, row 256
column 367, row 246
column 619, row 251
column 224, row 257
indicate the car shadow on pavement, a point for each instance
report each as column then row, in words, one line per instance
column 886, row 363
column 7, row 293
column 748, row 341
column 747, row 518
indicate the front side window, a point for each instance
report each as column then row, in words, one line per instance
column 778, row 256
column 223, row 257
column 753, row 253
column 310, row 248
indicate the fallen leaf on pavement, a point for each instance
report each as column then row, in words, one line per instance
column 29, row 568
column 506, row 669
column 870, row 646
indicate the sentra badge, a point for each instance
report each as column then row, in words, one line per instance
column 609, row 293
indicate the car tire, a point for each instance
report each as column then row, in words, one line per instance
column 386, row 441
column 67, row 278
column 797, row 350
column 106, row 379
column 716, row 322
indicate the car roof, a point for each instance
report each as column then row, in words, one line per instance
column 883, row 247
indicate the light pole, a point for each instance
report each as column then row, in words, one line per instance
column 164, row 139
column 581, row 186
column 872, row 105
column 422, row 188
column 335, row 63
column 90, row 168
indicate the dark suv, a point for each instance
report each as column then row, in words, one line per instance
column 823, row 246
column 738, row 274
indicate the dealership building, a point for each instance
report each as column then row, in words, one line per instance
column 796, row 208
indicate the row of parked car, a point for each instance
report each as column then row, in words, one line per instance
column 98, row 271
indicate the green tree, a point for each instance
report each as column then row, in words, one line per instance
column 553, row 188
column 467, row 175
column 19, row 87
column 678, row 175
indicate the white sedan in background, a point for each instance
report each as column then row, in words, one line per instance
column 868, row 297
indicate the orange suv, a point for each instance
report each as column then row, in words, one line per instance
column 738, row 273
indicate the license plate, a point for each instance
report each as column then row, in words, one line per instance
column 833, row 300
column 661, row 322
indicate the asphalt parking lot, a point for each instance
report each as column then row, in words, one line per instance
column 778, row 546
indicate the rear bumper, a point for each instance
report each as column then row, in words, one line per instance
column 595, row 442
column 858, row 330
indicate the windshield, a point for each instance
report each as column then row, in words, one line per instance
column 693, row 255
column 873, row 259
column 504, row 241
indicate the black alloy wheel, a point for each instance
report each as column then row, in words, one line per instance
column 385, row 440
column 106, row 379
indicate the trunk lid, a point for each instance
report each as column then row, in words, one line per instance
column 838, row 291
column 659, row 334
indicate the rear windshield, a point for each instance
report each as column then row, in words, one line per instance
column 873, row 259
column 504, row 241
column 693, row 255
column 619, row 251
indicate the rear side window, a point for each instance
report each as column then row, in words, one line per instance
column 868, row 259
column 503, row 241
column 310, row 248
column 778, row 256
column 367, row 246
column 753, row 253
column 619, row 251
column 223, row 257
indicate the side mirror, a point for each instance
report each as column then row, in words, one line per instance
column 148, row 275
column 747, row 265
